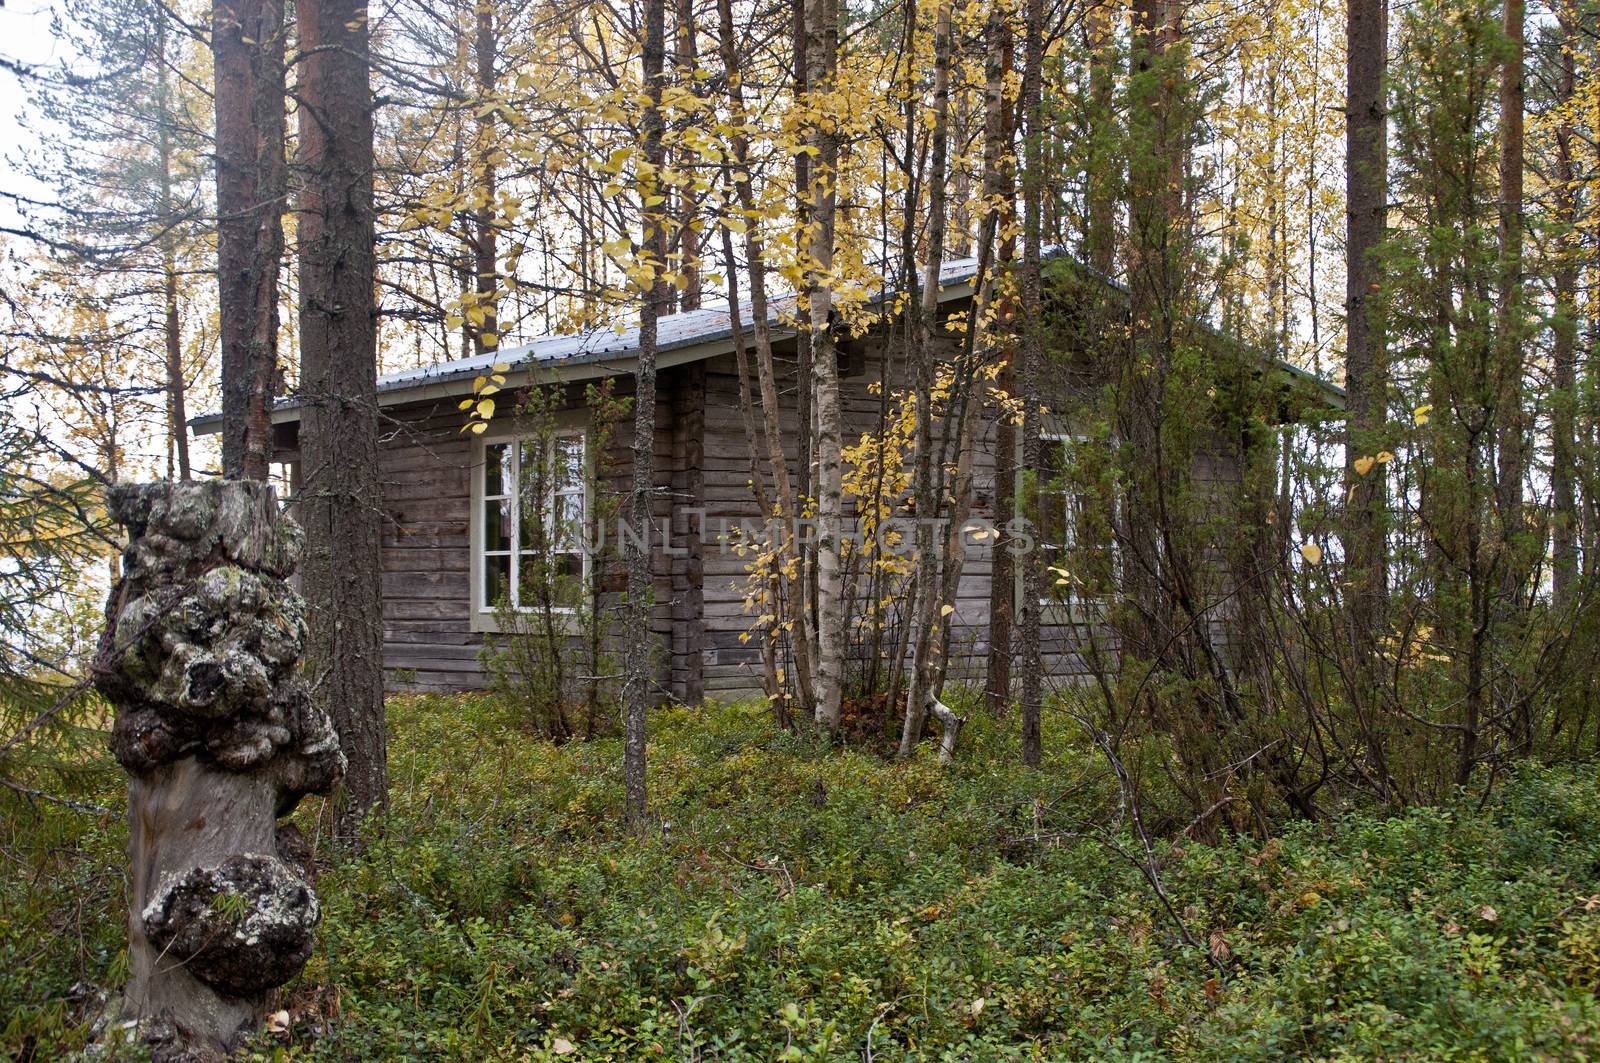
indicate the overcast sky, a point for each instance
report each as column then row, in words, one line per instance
column 25, row 40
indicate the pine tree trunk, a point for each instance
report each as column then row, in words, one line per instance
column 1000, row 185
column 485, row 243
column 1366, row 192
column 1511, row 442
column 1511, row 432
column 1564, row 397
column 248, row 54
column 1032, row 364
column 341, row 502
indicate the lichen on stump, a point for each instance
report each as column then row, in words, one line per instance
column 218, row 733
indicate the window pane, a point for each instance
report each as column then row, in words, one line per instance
column 1052, row 459
column 497, row 525
column 1054, row 528
column 570, row 565
column 496, row 573
column 535, row 469
column 496, row 469
column 1053, row 518
column 569, row 519
column 534, row 531
column 548, row 580
column 568, row 463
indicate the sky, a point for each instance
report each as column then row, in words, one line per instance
column 24, row 40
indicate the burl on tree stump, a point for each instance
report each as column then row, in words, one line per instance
column 216, row 729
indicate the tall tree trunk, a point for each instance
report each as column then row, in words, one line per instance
column 1000, row 186
column 688, row 263
column 822, row 45
column 342, row 502
column 1366, row 374
column 758, row 480
column 1032, row 363
column 641, row 582
column 805, row 484
column 1511, row 444
column 485, row 249
column 177, row 414
column 248, row 55
column 926, row 491
column 1563, row 401
column 1100, row 237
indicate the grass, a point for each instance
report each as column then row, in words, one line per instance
column 809, row 904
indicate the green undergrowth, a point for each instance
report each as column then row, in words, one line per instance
column 793, row 902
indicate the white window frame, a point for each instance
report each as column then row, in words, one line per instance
column 1075, row 609
column 1069, row 519
column 569, row 424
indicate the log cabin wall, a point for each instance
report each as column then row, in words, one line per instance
column 731, row 665
column 703, row 463
column 426, row 463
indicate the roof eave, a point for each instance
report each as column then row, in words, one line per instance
column 582, row 367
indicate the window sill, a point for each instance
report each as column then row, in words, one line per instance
column 484, row 621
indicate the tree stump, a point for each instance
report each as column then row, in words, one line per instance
column 216, row 729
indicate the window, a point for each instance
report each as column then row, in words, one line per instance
column 1058, row 506
column 1058, row 523
column 531, row 505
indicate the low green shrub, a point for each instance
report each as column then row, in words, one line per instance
column 795, row 902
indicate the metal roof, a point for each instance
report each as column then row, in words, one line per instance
column 599, row 348
column 612, row 342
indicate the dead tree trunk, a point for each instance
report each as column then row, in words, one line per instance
column 216, row 728
column 341, row 502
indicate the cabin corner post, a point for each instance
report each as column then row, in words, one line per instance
column 217, row 732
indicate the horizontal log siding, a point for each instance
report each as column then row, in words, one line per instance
column 732, row 666
column 425, row 463
column 702, row 461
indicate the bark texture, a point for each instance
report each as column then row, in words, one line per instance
column 341, row 501
column 1563, row 451
column 1032, row 364
column 1512, row 442
column 1367, row 193
column 640, row 576
column 821, row 54
column 247, row 46
column 217, row 731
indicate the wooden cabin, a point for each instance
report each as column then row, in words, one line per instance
column 444, row 552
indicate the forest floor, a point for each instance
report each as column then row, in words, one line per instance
column 798, row 903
